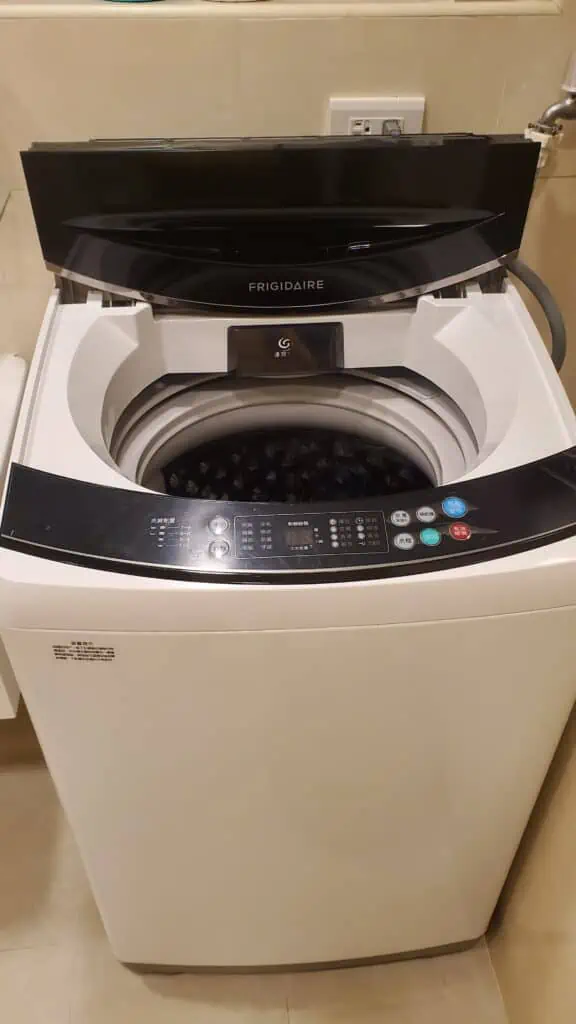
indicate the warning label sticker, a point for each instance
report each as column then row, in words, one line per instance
column 83, row 650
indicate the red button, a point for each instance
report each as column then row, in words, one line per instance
column 460, row 531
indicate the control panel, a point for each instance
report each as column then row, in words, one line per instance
column 316, row 533
column 435, row 525
column 418, row 531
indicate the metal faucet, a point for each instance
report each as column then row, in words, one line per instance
column 550, row 122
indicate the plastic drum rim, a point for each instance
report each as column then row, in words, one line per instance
column 418, row 424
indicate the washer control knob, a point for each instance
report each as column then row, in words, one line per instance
column 219, row 549
column 460, row 531
column 219, row 525
column 430, row 537
column 404, row 541
column 400, row 517
column 455, row 508
column 426, row 514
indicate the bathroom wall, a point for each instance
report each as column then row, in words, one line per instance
column 74, row 77
column 4, row 187
column 533, row 945
column 549, row 243
column 234, row 73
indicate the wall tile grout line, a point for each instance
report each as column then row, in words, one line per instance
column 4, row 204
column 5, row 198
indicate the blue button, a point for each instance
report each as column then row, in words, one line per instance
column 454, row 507
column 430, row 537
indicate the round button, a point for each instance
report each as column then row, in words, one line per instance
column 219, row 525
column 219, row 549
column 455, row 508
column 400, row 517
column 460, row 531
column 332, row 522
column 426, row 514
column 430, row 537
column 404, row 541
column 335, row 544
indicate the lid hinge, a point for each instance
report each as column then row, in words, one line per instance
column 76, row 293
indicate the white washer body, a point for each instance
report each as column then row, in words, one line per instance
column 295, row 774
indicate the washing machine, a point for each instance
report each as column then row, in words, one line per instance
column 287, row 564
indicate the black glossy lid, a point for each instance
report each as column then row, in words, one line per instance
column 269, row 224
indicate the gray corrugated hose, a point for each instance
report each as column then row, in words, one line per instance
column 552, row 312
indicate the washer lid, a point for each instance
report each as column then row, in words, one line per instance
column 150, row 534
column 260, row 224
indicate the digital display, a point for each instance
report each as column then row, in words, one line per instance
column 276, row 349
column 298, row 536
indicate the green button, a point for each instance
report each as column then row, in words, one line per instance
column 430, row 537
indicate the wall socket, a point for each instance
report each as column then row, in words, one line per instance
column 375, row 115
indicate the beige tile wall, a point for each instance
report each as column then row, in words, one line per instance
column 533, row 947
column 550, row 247
column 4, row 187
column 75, row 78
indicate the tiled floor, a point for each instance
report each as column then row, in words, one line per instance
column 56, row 967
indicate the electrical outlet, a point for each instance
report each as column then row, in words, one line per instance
column 375, row 126
column 375, row 115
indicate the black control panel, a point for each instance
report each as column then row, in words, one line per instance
column 421, row 531
column 438, row 524
column 316, row 533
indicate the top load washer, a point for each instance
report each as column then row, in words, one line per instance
column 286, row 570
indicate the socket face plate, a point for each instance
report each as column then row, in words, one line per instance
column 343, row 111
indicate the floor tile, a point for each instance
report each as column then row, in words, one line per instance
column 442, row 990
column 43, row 888
column 18, row 742
column 34, row 986
column 450, row 989
column 105, row 992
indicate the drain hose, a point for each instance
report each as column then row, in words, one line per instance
column 552, row 312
